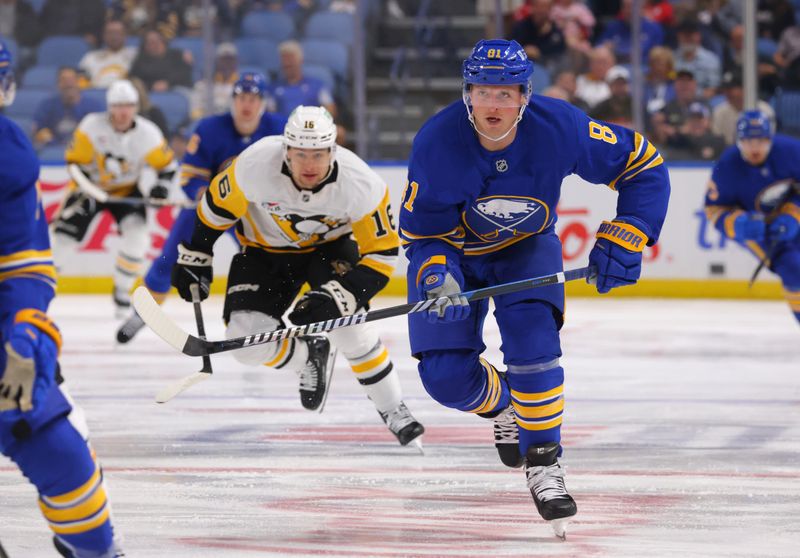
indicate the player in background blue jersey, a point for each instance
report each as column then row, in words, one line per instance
column 754, row 198
column 484, row 180
column 216, row 142
column 40, row 429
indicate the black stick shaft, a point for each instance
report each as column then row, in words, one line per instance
column 194, row 289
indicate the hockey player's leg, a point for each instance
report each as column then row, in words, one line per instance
column 309, row 357
column 786, row 265
column 537, row 395
column 130, row 258
column 373, row 368
column 72, row 495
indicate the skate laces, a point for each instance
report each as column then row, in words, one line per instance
column 546, row 482
column 309, row 377
column 505, row 427
column 398, row 418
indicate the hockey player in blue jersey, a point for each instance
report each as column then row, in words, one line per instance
column 40, row 429
column 216, row 142
column 479, row 209
column 754, row 198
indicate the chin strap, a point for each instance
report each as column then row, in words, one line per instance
column 490, row 138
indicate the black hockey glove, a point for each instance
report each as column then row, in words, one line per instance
column 331, row 301
column 193, row 266
column 159, row 192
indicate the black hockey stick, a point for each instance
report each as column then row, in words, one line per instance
column 169, row 331
column 767, row 259
column 205, row 372
column 93, row 191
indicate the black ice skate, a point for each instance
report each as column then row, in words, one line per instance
column 506, row 436
column 403, row 425
column 316, row 374
column 130, row 328
column 546, row 482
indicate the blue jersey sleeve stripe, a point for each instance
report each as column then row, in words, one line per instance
column 654, row 162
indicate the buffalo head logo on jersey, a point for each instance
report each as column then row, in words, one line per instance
column 501, row 217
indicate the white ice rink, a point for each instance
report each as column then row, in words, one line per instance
column 681, row 435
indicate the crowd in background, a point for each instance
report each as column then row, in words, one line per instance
column 691, row 53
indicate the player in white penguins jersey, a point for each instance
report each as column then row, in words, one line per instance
column 125, row 155
column 304, row 211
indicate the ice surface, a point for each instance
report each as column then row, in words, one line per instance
column 681, row 435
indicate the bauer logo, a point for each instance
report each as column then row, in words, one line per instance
column 495, row 218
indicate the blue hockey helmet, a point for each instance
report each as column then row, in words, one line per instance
column 497, row 62
column 753, row 124
column 251, row 82
column 8, row 85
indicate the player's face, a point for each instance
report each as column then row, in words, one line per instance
column 122, row 116
column 755, row 150
column 308, row 166
column 495, row 107
column 247, row 107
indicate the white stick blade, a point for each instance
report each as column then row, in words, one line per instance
column 157, row 320
column 172, row 390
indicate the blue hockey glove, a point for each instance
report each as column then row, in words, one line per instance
column 783, row 228
column 437, row 279
column 617, row 253
column 749, row 226
column 31, row 357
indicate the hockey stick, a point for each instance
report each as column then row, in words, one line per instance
column 790, row 191
column 93, row 191
column 169, row 331
column 205, row 372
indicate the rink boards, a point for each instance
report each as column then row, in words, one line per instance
column 691, row 259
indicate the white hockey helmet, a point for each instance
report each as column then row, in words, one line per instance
column 122, row 92
column 310, row 128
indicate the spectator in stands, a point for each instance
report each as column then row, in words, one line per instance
column 617, row 34
column 568, row 82
column 773, row 17
column 293, row 88
column 192, row 14
column 787, row 57
column 106, row 65
column 726, row 15
column 659, row 86
column 18, row 20
column 73, row 17
column 659, row 11
column 141, row 15
column 161, row 68
column 486, row 8
column 148, row 109
column 540, row 37
column 667, row 122
column 690, row 55
column 733, row 57
column 57, row 117
column 226, row 72
column 725, row 115
column 555, row 92
column 576, row 21
column 617, row 108
column 591, row 86
column 694, row 139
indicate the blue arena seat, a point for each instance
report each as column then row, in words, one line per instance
column 195, row 46
column 540, row 80
column 61, row 50
column 787, row 111
column 13, row 48
column 258, row 51
column 331, row 26
column 276, row 26
column 96, row 93
column 331, row 54
column 174, row 106
column 321, row 73
column 766, row 47
column 41, row 77
column 52, row 153
column 26, row 101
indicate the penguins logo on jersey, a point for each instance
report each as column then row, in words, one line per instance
column 501, row 217
column 305, row 230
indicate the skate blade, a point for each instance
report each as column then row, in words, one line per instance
column 329, row 374
column 560, row 527
column 416, row 443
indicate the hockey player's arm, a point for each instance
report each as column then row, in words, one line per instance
column 222, row 206
column 195, row 173
column 379, row 247
column 158, row 172
column 722, row 209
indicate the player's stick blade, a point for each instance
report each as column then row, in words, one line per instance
column 559, row 527
column 171, row 391
column 155, row 318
